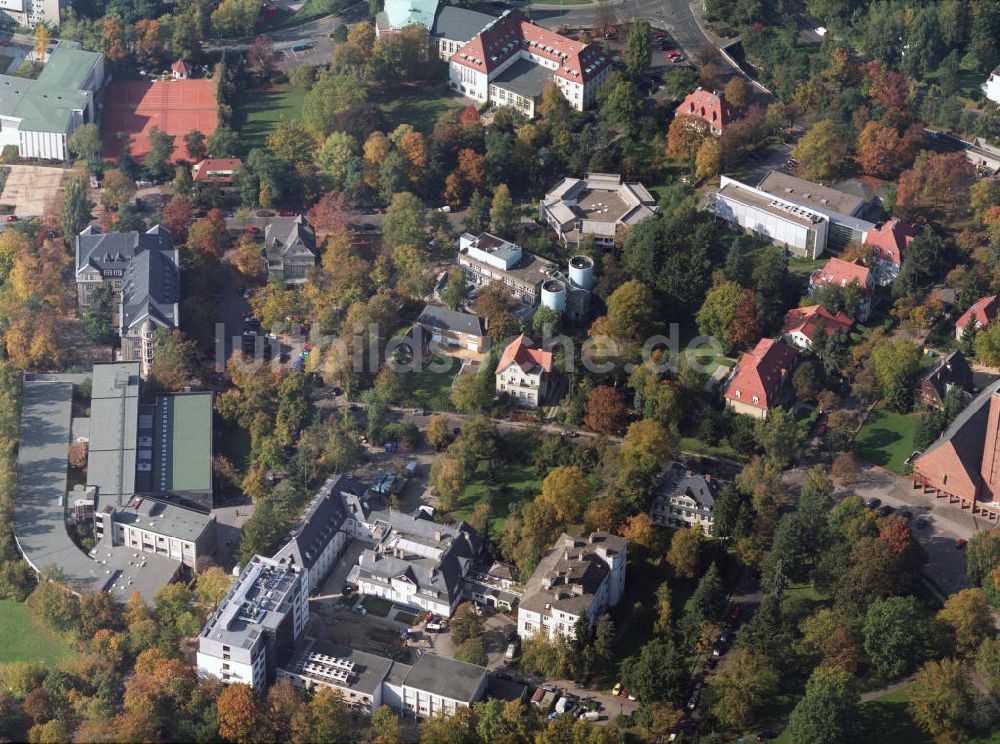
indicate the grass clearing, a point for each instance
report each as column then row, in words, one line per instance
column 377, row 605
column 261, row 109
column 698, row 447
column 430, row 386
column 23, row 638
column 886, row 439
column 509, row 485
column 407, row 618
column 421, row 109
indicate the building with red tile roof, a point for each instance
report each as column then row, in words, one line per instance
column 524, row 372
column 888, row 241
column 181, row 70
column 982, row 312
column 711, row 107
column 761, row 377
column 511, row 60
column 839, row 273
column 963, row 464
column 216, row 170
column 802, row 324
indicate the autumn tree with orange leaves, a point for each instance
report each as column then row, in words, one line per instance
column 883, row 152
column 238, row 715
column 937, row 183
column 685, row 136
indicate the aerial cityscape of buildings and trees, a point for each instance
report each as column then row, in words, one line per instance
column 578, row 371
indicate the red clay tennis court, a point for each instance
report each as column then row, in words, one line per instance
column 175, row 106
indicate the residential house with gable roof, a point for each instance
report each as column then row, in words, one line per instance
column 143, row 271
column 839, row 273
column 289, row 249
column 684, row 498
column 803, row 323
column 511, row 60
column 454, row 328
column 980, row 314
column 417, row 562
column 889, row 240
column 577, row 577
column 709, row 106
column 524, row 372
column 949, row 372
column 760, row 381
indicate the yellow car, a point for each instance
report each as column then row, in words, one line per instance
column 617, row 689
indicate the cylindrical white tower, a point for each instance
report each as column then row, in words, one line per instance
column 554, row 295
column 581, row 272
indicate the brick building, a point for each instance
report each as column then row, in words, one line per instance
column 963, row 465
column 980, row 314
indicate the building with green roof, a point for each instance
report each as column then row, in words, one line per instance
column 39, row 115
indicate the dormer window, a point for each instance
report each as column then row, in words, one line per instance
column 756, row 401
column 738, row 394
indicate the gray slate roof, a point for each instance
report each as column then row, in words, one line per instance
column 451, row 320
column 289, row 235
column 323, row 518
column 460, row 547
column 679, row 481
column 115, row 250
column 458, row 24
column 455, row 680
column 570, row 573
column 151, row 290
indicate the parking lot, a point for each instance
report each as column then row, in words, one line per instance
column 30, row 187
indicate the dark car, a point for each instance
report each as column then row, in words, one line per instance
column 874, row 503
column 907, row 515
column 886, row 510
column 920, row 524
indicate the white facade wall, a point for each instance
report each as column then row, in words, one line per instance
column 799, row 339
column 44, row 145
column 992, row 86
column 525, row 389
column 760, row 222
column 148, row 541
column 427, row 704
column 246, row 666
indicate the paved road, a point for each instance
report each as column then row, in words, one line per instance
column 675, row 16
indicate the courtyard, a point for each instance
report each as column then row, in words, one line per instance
column 30, row 187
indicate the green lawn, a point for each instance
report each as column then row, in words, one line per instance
column 509, row 484
column 377, row 606
column 804, row 266
column 692, row 444
column 421, row 109
column 430, row 387
column 886, row 439
column 407, row 618
column 259, row 110
column 24, row 639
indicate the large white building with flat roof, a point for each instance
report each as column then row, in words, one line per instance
column 256, row 626
column 802, row 230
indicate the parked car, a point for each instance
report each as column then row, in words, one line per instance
column 695, row 695
column 286, row 212
column 874, row 503
column 11, row 218
column 906, row 514
column 617, row 689
column 252, row 230
column 920, row 524
column 511, row 652
column 961, row 543
column 435, row 625
column 886, row 510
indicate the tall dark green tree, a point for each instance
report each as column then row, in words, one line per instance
column 638, row 52
column 97, row 317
